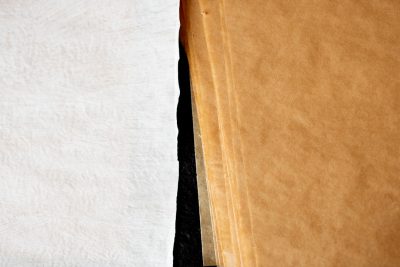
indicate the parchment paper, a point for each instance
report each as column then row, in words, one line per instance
column 312, row 91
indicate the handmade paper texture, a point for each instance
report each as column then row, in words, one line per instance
column 88, row 163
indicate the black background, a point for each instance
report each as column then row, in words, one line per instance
column 187, row 247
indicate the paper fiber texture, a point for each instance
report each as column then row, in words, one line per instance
column 308, row 124
column 88, row 163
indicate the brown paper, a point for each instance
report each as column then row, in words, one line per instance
column 305, row 101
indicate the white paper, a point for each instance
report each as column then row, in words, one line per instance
column 88, row 162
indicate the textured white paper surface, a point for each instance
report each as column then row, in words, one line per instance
column 88, row 165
